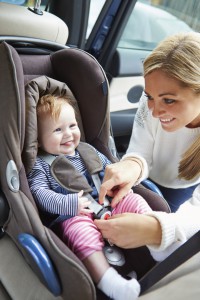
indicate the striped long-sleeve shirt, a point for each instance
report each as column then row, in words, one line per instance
column 50, row 197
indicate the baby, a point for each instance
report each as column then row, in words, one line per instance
column 58, row 133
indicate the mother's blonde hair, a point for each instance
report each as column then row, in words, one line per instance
column 179, row 57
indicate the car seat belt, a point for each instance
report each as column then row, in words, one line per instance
column 113, row 254
column 100, row 211
column 178, row 257
column 95, row 207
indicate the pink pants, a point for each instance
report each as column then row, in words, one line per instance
column 82, row 236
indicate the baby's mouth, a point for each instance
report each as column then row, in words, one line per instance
column 66, row 143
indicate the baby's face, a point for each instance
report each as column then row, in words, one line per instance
column 61, row 136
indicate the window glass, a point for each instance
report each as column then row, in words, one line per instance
column 16, row 2
column 151, row 21
column 95, row 9
column 29, row 3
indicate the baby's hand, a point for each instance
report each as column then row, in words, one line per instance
column 83, row 204
column 130, row 192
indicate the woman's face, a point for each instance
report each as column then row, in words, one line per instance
column 175, row 106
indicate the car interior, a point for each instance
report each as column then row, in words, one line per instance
column 35, row 263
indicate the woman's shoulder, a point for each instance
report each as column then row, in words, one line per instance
column 143, row 115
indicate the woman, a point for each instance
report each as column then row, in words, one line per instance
column 169, row 121
column 165, row 139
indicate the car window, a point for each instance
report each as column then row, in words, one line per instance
column 149, row 23
column 16, row 2
column 29, row 3
column 95, row 9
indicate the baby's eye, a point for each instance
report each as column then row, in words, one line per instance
column 57, row 130
column 73, row 125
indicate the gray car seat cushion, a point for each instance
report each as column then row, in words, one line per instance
column 33, row 91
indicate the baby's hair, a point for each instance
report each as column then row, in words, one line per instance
column 52, row 104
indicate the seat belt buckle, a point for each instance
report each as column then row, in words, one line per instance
column 104, row 213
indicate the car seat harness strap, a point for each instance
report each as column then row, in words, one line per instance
column 70, row 178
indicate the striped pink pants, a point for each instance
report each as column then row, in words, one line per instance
column 82, row 236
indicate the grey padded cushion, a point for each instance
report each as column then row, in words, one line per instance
column 33, row 91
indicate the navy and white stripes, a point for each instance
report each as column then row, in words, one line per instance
column 48, row 194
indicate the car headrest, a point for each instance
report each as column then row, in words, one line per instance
column 18, row 20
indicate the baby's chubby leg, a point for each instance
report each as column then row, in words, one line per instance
column 85, row 240
column 82, row 236
column 132, row 203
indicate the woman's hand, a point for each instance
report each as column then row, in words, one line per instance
column 131, row 230
column 118, row 180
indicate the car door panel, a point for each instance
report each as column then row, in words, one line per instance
column 126, row 87
column 122, row 123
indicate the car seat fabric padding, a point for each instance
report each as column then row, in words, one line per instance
column 35, row 66
column 86, row 79
column 23, row 215
column 69, row 177
column 34, row 90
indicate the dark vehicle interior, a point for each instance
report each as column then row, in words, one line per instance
column 51, row 40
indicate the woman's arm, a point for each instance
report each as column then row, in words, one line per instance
column 160, row 231
column 177, row 227
column 133, row 167
column 131, row 230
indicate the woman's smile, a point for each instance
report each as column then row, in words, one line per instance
column 174, row 105
column 166, row 121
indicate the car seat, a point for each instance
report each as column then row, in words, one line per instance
column 20, row 219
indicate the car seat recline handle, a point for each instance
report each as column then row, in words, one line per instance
column 40, row 263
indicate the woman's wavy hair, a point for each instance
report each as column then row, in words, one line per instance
column 179, row 57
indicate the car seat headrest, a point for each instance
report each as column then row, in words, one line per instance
column 33, row 91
